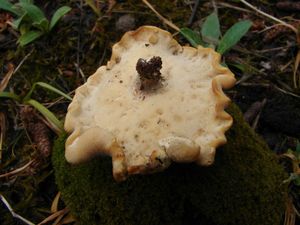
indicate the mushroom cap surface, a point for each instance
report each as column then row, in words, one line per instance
column 181, row 119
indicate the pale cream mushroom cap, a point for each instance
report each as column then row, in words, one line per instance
column 143, row 131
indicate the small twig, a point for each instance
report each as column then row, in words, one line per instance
column 213, row 2
column 265, row 85
column 16, row 171
column 169, row 23
column 12, row 71
column 268, row 28
column 296, row 31
column 22, row 61
column 54, row 216
column 15, row 215
column 274, row 49
column 296, row 65
column 103, row 54
column 253, row 111
column 79, row 39
column 254, row 125
column 269, row 16
column 195, row 8
column 283, row 68
column 286, row 92
column 6, row 78
column 227, row 5
column 80, row 72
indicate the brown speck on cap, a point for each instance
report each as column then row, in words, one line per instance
column 149, row 72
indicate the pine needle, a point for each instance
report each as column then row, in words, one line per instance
column 166, row 21
column 15, row 215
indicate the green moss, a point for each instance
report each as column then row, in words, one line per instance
column 243, row 187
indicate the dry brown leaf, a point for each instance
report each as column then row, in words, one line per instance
column 54, row 216
column 58, row 220
column 67, row 219
column 7, row 77
column 54, row 206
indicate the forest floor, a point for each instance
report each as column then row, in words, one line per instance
column 265, row 63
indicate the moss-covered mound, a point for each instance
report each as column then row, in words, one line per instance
column 243, row 187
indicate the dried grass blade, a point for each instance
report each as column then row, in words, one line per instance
column 54, row 206
column 15, row 215
column 54, row 216
column 7, row 77
column 67, row 219
column 58, row 220
column 16, row 171
column 297, row 61
column 168, row 22
column 269, row 16
column 290, row 215
column 2, row 132
column 56, row 125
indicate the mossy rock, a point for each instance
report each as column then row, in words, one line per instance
column 243, row 187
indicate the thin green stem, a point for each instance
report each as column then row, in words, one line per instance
column 47, row 114
column 10, row 95
column 46, row 86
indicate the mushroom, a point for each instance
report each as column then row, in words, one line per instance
column 153, row 103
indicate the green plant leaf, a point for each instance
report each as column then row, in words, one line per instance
column 7, row 6
column 4, row 94
column 47, row 114
column 16, row 23
column 35, row 13
column 233, row 35
column 191, row 36
column 46, row 86
column 29, row 37
column 43, row 25
column 210, row 30
column 239, row 66
column 26, row 1
column 58, row 15
column 297, row 181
